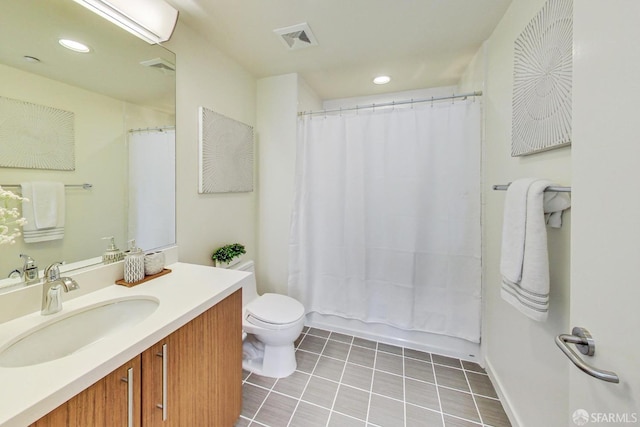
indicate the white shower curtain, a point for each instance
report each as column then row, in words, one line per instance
column 386, row 218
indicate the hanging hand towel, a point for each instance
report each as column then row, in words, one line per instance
column 524, row 263
column 44, row 212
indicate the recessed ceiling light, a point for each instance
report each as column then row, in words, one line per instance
column 382, row 80
column 75, row 46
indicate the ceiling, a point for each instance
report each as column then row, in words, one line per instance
column 419, row 43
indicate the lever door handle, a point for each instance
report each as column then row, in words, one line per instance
column 587, row 346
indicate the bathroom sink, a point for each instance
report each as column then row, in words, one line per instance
column 75, row 331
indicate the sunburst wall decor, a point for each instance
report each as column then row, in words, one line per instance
column 35, row 136
column 542, row 76
column 226, row 154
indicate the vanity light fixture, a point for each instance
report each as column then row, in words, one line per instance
column 74, row 45
column 151, row 20
column 382, row 80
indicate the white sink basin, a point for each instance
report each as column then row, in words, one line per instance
column 75, row 331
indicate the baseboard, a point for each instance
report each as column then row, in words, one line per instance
column 504, row 397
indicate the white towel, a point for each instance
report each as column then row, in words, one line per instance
column 524, row 263
column 44, row 212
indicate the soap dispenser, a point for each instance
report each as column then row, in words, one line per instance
column 133, row 264
column 112, row 254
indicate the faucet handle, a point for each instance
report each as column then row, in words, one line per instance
column 52, row 272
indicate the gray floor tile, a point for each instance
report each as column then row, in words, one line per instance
column 420, row 417
column 242, row 422
column 276, row 411
column 459, row 404
column 415, row 354
column 386, row 412
column 421, row 394
column 473, row 366
column 307, row 415
column 319, row 332
column 339, row 420
column 293, row 385
column 337, row 350
column 389, row 363
column 245, row 374
column 450, row 377
column 341, row 337
column 362, row 356
column 492, row 412
column 418, row 369
column 265, row 382
column 320, row 392
column 305, row 329
column 361, row 342
column 481, row 384
column 447, row 361
column 252, row 398
column 353, row 402
column 312, row 343
column 298, row 340
column 357, row 376
column 388, row 385
column 390, row 348
column 306, row 361
column 329, row 368
column 457, row 422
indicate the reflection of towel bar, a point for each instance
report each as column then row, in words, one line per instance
column 552, row 188
column 84, row 186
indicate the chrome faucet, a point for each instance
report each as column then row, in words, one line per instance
column 29, row 271
column 52, row 289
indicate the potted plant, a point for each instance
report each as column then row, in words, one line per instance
column 228, row 255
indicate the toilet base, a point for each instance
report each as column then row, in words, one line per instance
column 277, row 362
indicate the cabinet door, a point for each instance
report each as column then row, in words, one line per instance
column 194, row 376
column 113, row 401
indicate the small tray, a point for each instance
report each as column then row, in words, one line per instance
column 146, row 279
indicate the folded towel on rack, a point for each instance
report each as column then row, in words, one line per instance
column 524, row 263
column 44, row 212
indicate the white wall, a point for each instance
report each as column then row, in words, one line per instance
column 206, row 77
column 520, row 353
column 279, row 99
column 101, row 159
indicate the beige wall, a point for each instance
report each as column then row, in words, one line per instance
column 206, row 77
column 101, row 159
column 520, row 353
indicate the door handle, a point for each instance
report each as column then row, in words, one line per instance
column 587, row 346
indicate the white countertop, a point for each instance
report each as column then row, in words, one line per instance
column 28, row 393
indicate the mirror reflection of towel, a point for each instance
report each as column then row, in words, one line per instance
column 44, row 212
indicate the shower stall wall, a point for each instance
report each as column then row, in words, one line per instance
column 385, row 232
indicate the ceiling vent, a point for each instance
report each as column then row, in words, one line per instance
column 161, row 65
column 297, row 36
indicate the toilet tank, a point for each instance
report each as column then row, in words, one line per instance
column 249, row 289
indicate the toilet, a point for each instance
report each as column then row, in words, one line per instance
column 271, row 323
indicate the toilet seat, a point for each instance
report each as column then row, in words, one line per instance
column 273, row 311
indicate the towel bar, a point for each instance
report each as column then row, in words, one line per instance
column 85, row 186
column 504, row 187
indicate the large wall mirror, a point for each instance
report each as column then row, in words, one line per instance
column 121, row 96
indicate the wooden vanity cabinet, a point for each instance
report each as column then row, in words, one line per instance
column 104, row 404
column 193, row 377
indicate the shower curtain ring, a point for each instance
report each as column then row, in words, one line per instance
column 432, row 102
column 412, row 103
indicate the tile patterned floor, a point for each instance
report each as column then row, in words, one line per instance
column 344, row 381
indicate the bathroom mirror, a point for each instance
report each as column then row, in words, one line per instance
column 121, row 84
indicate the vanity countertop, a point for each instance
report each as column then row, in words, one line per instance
column 28, row 393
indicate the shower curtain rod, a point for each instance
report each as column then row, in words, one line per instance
column 159, row 129
column 392, row 104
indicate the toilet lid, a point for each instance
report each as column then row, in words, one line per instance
column 275, row 308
